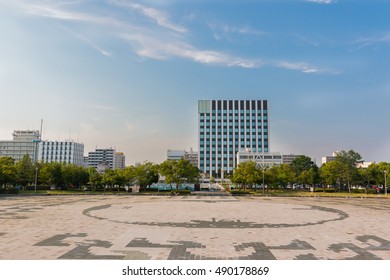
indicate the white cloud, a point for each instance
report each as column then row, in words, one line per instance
column 162, row 41
column 376, row 39
column 300, row 66
column 160, row 17
column 322, row 1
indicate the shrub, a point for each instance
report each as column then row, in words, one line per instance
column 240, row 192
column 181, row 192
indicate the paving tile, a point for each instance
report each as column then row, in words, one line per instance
column 193, row 228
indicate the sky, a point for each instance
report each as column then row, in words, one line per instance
column 129, row 74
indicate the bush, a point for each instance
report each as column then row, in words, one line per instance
column 240, row 192
column 9, row 190
column 181, row 192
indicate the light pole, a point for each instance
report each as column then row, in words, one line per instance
column 385, row 181
column 263, row 183
column 36, row 177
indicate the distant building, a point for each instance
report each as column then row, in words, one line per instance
column 364, row 164
column 191, row 156
column 261, row 159
column 68, row 152
column 265, row 159
column 25, row 142
column 327, row 159
column 120, row 160
column 102, row 158
column 175, row 154
column 289, row 158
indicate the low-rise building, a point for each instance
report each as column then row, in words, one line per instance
column 191, row 156
column 68, row 152
column 102, row 158
column 25, row 142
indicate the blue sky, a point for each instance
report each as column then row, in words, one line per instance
column 128, row 74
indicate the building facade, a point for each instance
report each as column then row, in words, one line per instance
column 25, row 142
column 175, row 154
column 261, row 159
column 102, row 159
column 191, row 156
column 265, row 159
column 120, row 160
column 68, row 152
column 228, row 126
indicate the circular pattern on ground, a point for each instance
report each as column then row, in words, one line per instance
column 248, row 214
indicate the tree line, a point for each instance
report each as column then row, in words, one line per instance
column 26, row 174
column 342, row 173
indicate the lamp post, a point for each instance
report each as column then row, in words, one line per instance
column 36, row 177
column 263, row 182
column 385, row 181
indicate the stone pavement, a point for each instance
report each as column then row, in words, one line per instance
column 193, row 227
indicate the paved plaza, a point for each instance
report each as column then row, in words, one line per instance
column 193, row 227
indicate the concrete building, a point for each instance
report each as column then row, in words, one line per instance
column 327, row 159
column 228, row 126
column 102, row 159
column 68, row 152
column 191, row 156
column 288, row 158
column 25, row 142
column 175, row 154
column 261, row 159
column 120, row 160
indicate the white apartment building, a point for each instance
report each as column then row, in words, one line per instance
column 68, row 152
column 261, row 159
column 25, row 142
column 120, row 160
column 102, row 159
column 191, row 156
column 265, row 159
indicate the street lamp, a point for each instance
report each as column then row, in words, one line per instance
column 385, row 181
column 36, row 177
column 263, row 182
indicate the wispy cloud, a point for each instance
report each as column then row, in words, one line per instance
column 302, row 67
column 159, row 39
column 322, row 1
column 224, row 31
column 160, row 17
column 379, row 38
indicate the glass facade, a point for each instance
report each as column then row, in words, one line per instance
column 228, row 126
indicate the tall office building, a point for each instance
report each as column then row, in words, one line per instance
column 228, row 126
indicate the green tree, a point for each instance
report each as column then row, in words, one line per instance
column 247, row 174
column 25, row 171
column 305, row 170
column 75, row 176
column 179, row 171
column 331, row 173
column 348, row 161
column 285, row 174
column 51, row 174
column 7, row 171
column 146, row 174
column 95, row 178
column 383, row 169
